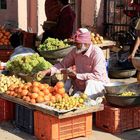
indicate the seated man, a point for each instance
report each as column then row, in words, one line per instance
column 90, row 75
column 16, row 41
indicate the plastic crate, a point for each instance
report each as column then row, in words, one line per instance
column 137, row 117
column 51, row 128
column 116, row 120
column 6, row 110
column 24, row 119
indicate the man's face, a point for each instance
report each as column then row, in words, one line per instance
column 81, row 47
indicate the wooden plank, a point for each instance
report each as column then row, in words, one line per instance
column 72, row 113
column 17, row 100
column 106, row 44
column 42, row 107
column 82, row 111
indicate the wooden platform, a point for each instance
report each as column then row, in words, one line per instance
column 41, row 107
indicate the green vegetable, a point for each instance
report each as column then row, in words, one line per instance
column 29, row 64
column 53, row 44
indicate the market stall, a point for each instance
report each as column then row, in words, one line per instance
column 37, row 100
column 31, row 116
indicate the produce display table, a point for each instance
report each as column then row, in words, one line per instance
column 42, row 108
column 106, row 46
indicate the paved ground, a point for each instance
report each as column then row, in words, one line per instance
column 9, row 132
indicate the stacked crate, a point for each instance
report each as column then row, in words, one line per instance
column 117, row 120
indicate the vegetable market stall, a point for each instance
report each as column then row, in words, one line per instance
column 50, row 124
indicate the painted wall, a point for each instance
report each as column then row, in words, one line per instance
column 31, row 13
column 41, row 15
column 22, row 14
column 11, row 13
column 93, row 19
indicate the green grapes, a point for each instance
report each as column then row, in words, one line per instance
column 53, row 44
column 29, row 64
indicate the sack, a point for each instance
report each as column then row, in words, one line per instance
column 138, row 25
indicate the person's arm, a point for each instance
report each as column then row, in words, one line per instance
column 136, row 46
column 65, row 63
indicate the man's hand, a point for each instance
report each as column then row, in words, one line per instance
column 72, row 74
column 69, row 72
column 43, row 73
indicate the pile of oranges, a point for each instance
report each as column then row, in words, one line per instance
column 37, row 92
column 96, row 38
column 4, row 37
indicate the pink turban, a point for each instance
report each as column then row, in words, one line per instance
column 82, row 35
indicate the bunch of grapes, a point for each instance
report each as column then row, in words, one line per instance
column 53, row 44
column 29, row 64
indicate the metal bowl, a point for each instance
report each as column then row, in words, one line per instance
column 123, row 101
column 54, row 54
column 116, row 87
column 122, row 73
column 136, row 62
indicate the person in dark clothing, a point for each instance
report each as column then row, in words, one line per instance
column 52, row 10
column 16, row 41
column 64, row 26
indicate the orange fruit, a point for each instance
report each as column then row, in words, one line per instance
column 34, row 95
column 46, row 91
column 49, row 94
column 61, row 91
column 41, row 93
column 19, row 90
column 24, row 97
column 41, row 87
column 47, row 98
column 60, row 84
column 35, row 89
column 33, row 101
column 65, row 95
column 8, row 92
column 25, row 87
column 55, row 88
column 51, row 89
column 36, row 84
column 53, row 99
column 27, row 99
column 24, row 92
column 46, row 85
column 29, row 84
column 39, row 99
column 12, row 93
column 58, row 97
